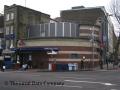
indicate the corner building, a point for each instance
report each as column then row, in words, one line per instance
column 84, row 33
column 61, row 43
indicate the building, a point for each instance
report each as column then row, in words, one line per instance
column 17, row 20
column 1, row 36
column 1, row 30
column 47, row 42
column 88, row 18
column 81, row 33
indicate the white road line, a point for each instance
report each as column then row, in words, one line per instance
column 76, row 78
column 69, row 86
column 108, row 84
column 72, row 86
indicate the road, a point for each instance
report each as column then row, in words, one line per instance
column 84, row 80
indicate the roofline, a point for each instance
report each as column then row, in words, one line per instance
column 15, row 5
column 87, row 8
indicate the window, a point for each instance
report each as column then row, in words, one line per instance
column 74, row 56
column 7, row 44
column 0, row 43
column 11, row 44
column 7, row 31
column 7, row 17
column 11, row 30
column 12, row 16
column 42, row 30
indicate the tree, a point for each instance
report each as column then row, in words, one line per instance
column 115, row 9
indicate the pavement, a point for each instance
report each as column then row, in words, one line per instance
column 105, row 68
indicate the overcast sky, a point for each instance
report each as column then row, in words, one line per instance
column 53, row 7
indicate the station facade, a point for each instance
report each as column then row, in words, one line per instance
column 77, row 36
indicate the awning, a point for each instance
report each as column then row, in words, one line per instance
column 36, row 49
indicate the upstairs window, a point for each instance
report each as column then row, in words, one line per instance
column 7, row 44
column 7, row 30
column 11, row 30
column 7, row 17
column 74, row 56
column 12, row 16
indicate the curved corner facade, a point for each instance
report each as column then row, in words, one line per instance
column 74, row 43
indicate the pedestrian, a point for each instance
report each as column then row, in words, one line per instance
column 101, row 64
column 24, row 66
column 82, row 62
column 3, row 67
column 30, row 64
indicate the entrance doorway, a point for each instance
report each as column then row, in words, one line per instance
column 40, row 60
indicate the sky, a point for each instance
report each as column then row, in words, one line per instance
column 53, row 7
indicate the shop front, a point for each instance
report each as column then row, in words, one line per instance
column 35, row 57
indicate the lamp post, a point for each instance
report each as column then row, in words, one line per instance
column 92, row 44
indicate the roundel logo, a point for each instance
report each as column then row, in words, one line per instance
column 21, row 43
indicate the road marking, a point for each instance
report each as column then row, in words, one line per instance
column 108, row 84
column 113, row 89
column 69, row 86
column 76, row 78
column 72, row 86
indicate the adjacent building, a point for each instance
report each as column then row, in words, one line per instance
column 1, row 30
column 17, row 20
column 1, row 36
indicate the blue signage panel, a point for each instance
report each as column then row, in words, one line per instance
column 10, row 36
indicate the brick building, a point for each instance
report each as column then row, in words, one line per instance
column 93, row 16
column 17, row 20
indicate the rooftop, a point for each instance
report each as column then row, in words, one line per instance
column 83, row 14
